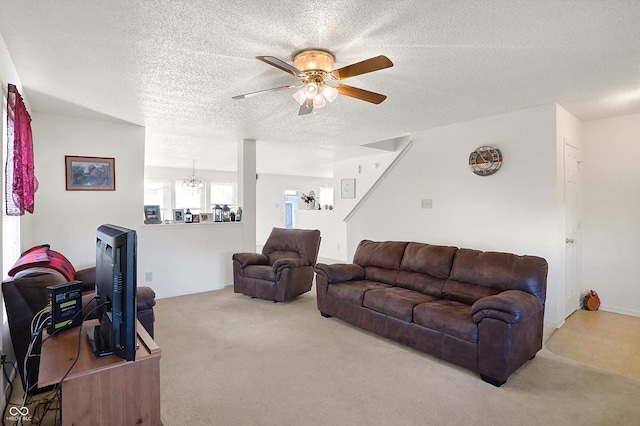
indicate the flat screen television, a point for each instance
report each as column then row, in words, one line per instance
column 116, row 293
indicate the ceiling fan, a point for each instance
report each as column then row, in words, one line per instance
column 319, row 82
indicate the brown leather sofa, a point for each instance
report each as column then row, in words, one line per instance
column 481, row 310
column 284, row 269
column 25, row 295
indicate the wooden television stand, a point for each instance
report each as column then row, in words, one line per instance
column 103, row 390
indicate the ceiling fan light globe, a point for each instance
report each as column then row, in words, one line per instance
column 300, row 96
column 319, row 101
column 330, row 93
column 311, row 90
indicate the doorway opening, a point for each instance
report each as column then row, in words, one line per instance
column 290, row 207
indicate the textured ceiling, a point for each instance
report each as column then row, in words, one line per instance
column 173, row 66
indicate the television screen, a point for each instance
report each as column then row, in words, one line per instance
column 116, row 293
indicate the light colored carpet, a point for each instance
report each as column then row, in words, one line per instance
column 232, row 360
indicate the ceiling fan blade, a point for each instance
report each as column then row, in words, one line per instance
column 368, row 65
column 272, row 60
column 259, row 92
column 306, row 107
column 363, row 95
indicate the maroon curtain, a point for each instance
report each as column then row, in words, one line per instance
column 21, row 183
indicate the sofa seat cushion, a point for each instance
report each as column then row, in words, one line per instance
column 261, row 272
column 396, row 302
column 449, row 317
column 352, row 292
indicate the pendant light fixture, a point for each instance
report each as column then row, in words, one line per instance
column 194, row 183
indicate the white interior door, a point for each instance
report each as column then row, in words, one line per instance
column 572, row 227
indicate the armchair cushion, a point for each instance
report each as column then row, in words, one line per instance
column 277, row 255
column 305, row 243
column 268, row 272
column 261, row 272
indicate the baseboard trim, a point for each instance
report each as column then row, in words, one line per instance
column 618, row 310
column 192, row 291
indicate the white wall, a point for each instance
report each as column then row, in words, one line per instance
column 181, row 259
column 515, row 210
column 366, row 171
column 68, row 219
column 611, row 218
column 270, row 197
column 187, row 258
column 332, row 228
column 183, row 173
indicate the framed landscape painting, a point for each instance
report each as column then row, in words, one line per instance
column 90, row 173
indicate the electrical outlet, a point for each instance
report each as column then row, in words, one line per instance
column 148, row 276
column 426, row 204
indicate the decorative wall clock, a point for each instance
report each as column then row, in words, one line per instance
column 485, row 160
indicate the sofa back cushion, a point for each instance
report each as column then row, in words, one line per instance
column 423, row 283
column 425, row 267
column 428, row 259
column 380, row 259
column 381, row 275
column 383, row 254
column 498, row 271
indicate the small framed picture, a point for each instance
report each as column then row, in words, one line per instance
column 348, row 188
column 90, row 173
column 204, row 217
column 196, row 218
column 152, row 214
column 178, row 215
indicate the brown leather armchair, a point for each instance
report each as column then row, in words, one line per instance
column 283, row 271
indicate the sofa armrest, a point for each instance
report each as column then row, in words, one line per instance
column 510, row 306
column 280, row 264
column 250, row 259
column 340, row 272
